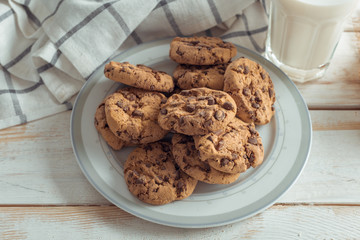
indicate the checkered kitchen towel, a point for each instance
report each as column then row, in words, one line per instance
column 48, row 49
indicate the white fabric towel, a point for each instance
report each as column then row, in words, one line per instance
column 48, row 49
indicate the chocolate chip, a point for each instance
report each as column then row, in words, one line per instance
column 219, row 115
column 252, row 130
column 246, row 91
column 131, row 97
column 246, row 69
column 207, row 167
column 178, row 52
column 220, row 145
column 271, row 92
column 126, row 108
column 119, row 104
column 180, row 185
column 147, row 147
column 211, row 101
column 251, row 158
column 137, row 113
column 218, row 132
column 163, row 100
column 201, row 98
column 208, row 123
column 185, row 93
column 228, row 106
column 252, row 140
column 177, row 177
column 255, row 105
column 239, row 69
column 147, row 165
column 188, row 152
column 181, row 120
column 262, row 75
column 224, row 162
column 194, row 42
column 234, row 156
column 163, row 111
column 210, row 139
column 190, row 108
column 165, row 147
column 139, row 181
column 166, row 178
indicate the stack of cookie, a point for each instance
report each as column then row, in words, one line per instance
column 212, row 120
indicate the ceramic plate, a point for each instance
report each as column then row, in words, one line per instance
column 286, row 140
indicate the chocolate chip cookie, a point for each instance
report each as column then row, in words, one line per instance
column 252, row 89
column 197, row 111
column 139, row 76
column 103, row 128
column 132, row 114
column 201, row 50
column 193, row 76
column 187, row 157
column 232, row 149
column 152, row 175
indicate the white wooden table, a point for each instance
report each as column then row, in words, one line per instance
column 44, row 195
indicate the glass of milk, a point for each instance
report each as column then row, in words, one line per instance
column 303, row 35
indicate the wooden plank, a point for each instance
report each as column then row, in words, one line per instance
column 37, row 164
column 335, row 120
column 340, row 87
column 332, row 171
column 93, row 222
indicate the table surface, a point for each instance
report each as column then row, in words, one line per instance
column 44, row 194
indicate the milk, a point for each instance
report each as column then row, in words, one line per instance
column 303, row 34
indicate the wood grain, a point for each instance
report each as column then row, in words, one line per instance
column 37, row 164
column 109, row 222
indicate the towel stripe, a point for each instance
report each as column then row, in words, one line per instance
column 55, row 11
column 82, row 24
column 119, row 19
column 30, row 15
column 171, row 18
column 215, row 11
column 25, row 90
column 162, row 3
column 52, row 62
column 14, row 98
column 18, row 58
column 252, row 40
column 6, row 15
column 136, row 37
